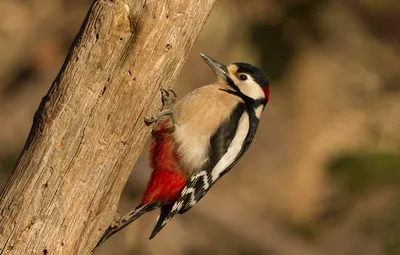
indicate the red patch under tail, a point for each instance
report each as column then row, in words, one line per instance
column 166, row 181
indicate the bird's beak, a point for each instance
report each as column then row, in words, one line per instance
column 220, row 70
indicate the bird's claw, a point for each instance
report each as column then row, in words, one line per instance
column 149, row 121
column 168, row 97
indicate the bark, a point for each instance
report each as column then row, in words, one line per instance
column 89, row 131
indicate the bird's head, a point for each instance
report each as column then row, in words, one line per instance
column 242, row 77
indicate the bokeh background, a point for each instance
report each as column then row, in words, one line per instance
column 323, row 174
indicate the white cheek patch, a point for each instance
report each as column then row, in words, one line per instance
column 234, row 147
column 251, row 89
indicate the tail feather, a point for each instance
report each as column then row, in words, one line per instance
column 162, row 220
column 127, row 219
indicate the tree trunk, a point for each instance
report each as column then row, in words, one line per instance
column 89, row 131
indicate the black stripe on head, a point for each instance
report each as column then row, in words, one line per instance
column 232, row 84
column 254, row 72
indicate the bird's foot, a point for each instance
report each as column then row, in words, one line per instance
column 149, row 121
column 168, row 98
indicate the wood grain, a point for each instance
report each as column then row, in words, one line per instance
column 88, row 131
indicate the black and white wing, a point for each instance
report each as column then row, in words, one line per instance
column 227, row 145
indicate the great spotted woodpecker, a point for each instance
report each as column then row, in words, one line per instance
column 198, row 139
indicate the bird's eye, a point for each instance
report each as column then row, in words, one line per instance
column 242, row 77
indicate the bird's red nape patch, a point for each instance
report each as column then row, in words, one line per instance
column 166, row 181
column 266, row 93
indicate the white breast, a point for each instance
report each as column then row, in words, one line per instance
column 234, row 147
column 192, row 147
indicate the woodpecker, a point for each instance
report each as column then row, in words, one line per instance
column 198, row 139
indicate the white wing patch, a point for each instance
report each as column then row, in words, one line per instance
column 234, row 147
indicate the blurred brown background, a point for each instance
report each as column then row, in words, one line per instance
column 323, row 174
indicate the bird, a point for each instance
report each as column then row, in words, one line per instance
column 199, row 138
